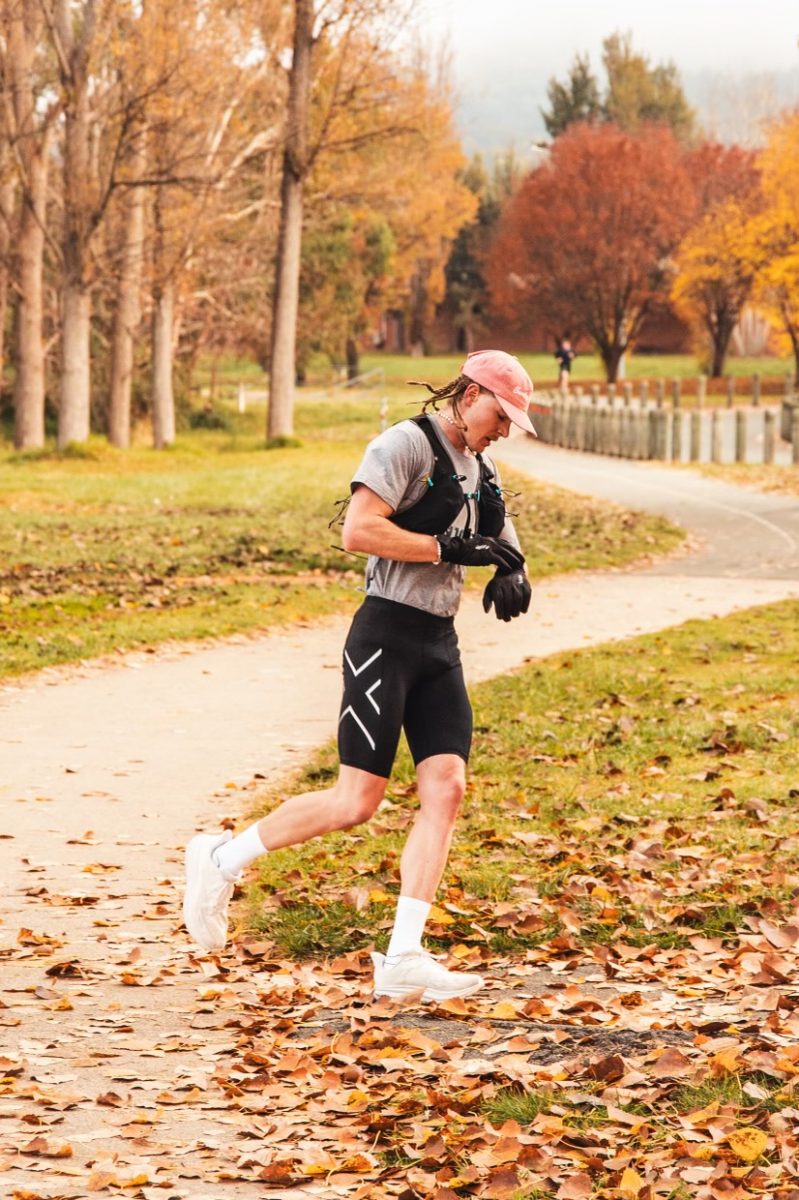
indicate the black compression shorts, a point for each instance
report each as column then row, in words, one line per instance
column 402, row 669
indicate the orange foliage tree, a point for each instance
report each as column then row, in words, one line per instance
column 585, row 244
column 774, row 232
column 715, row 267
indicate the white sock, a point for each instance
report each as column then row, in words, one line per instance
column 409, row 926
column 233, row 856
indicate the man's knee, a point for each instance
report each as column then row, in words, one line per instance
column 359, row 795
column 442, row 784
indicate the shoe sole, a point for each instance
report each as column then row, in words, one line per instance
column 192, row 856
column 428, row 994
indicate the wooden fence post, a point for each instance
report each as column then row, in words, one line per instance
column 644, row 393
column 604, row 427
column 595, row 393
column 628, row 439
column 663, row 435
column 768, row 435
column 695, row 452
column 615, row 448
column 556, row 422
column 675, row 393
column 659, row 392
column 740, row 435
column 627, row 392
column 715, row 436
column 579, row 427
column 591, row 415
column 642, row 434
column 795, row 436
column 570, row 424
column 676, row 436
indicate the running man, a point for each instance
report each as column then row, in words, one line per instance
column 425, row 504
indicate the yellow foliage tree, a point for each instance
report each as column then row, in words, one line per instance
column 715, row 275
column 774, row 232
column 408, row 181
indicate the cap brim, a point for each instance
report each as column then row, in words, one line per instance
column 517, row 415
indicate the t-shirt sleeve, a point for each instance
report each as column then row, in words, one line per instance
column 395, row 464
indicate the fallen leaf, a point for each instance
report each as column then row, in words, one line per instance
column 747, row 1144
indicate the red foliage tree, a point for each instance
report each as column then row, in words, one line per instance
column 720, row 173
column 584, row 244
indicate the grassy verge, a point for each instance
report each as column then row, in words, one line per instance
column 629, row 797
column 783, row 480
column 109, row 550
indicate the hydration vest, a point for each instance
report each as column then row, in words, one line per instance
column 436, row 510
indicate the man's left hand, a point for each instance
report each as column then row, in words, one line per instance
column 509, row 593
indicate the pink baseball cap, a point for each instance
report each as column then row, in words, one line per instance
column 505, row 376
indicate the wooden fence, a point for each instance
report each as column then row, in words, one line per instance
column 639, row 426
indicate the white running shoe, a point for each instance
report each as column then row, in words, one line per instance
column 416, row 971
column 208, row 892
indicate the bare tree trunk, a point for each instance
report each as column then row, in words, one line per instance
column 128, row 312
column 7, row 196
column 720, row 327
column 33, row 135
column 353, row 358
column 163, row 395
column 73, row 412
column 75, row 397
column 29, row 378
column 282, row 374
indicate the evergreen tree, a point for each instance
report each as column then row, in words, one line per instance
column 575, row 100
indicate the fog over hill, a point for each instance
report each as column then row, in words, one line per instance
column 496, row 110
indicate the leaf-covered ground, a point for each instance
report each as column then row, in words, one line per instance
column 625, row 875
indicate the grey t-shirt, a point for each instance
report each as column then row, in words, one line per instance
column 396, row 467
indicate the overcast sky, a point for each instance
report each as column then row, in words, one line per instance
column 505, row 51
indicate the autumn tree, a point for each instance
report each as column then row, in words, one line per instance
column 715, row 273
column 636, row 93
column 373, row 238
column 774, row 232
column 341, row 97
column 205, row 116
column 585, row 243
column 714, row 263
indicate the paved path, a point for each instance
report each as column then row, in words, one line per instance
column 743, row 534
column 105, row 772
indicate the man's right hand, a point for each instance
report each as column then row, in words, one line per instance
column 478, row 551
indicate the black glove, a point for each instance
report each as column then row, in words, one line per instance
column 480, row 551
column 509, row 593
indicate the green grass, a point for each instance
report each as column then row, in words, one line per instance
column 107, row 549
column 516, row 1104
column 684, row 739
column 729, row 1089
column 586, row 367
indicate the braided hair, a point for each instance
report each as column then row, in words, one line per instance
column 450, row 393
